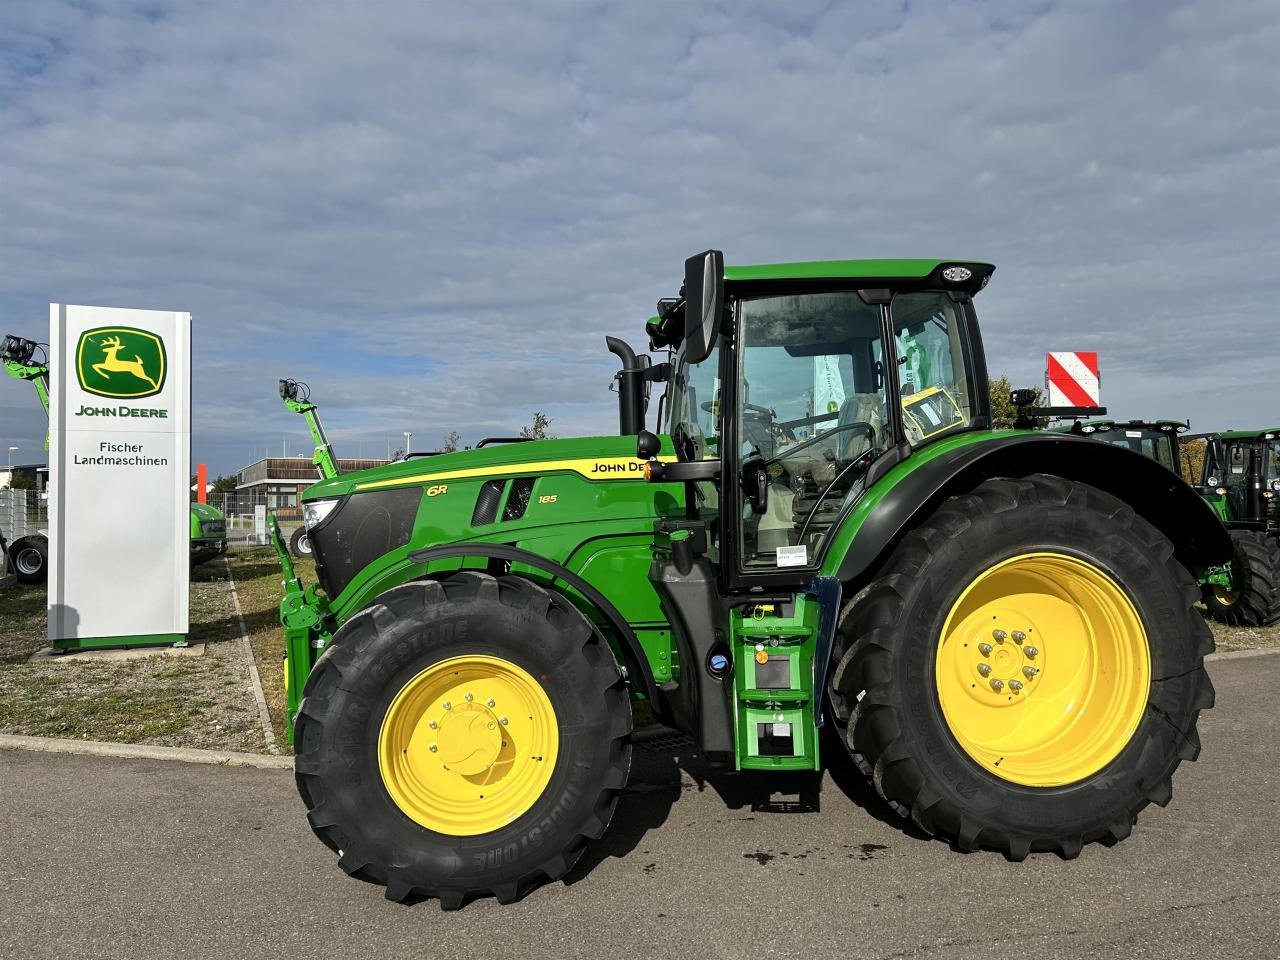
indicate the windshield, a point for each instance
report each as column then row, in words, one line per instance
column 812, row 412
column 1155, row 445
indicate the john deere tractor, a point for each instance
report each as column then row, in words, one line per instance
column 823, row 530
column 31, row 553
column 1241, row 481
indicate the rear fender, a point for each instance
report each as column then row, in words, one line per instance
column 917, row 488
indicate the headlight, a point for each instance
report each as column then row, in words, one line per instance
column 956, row 274
column 1275, row 485
column 314, row 513
column 1213, row 481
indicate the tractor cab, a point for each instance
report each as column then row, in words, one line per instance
column 805, row 382
column 1155, row 439
column 1242, row 467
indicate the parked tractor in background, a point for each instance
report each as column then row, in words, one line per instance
column 208, row 530
column 1246, row 591
column 1240, row 479
column 999, row 625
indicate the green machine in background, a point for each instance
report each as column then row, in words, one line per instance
column 1240, row 479
column 296, row 396
column 30, row 555
column 824, row 531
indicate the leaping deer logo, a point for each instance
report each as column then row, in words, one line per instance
column 111, row 362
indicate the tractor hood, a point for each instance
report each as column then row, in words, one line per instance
column 202, row 511
column 595, row 458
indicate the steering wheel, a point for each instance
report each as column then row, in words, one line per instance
column 860, row 426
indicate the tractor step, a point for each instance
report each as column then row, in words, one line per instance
column 773, row 648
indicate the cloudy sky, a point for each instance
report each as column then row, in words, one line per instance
column 435, row 212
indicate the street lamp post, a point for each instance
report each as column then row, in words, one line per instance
column 11, row 449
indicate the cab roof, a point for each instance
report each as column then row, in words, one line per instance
column 894, row 271
column 1259, row 434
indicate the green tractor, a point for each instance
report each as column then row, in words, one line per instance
column 997, row 625
column 1240, row 479
column 31, row 554
column 1246, row 591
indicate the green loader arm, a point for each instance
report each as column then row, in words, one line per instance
column 17, row 352
column 296, row 399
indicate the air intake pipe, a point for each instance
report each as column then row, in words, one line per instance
column 631, row 387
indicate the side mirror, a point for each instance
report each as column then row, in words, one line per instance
column 703, row 303
column 647, row 445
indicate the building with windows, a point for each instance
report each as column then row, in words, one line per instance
column 31, row 476
column 279, row 481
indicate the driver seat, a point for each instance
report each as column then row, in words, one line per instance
column 859, row 408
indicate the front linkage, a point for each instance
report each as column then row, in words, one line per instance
column 304, row 614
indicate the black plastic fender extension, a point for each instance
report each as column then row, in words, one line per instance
column 1153, row 491
column 633, row 654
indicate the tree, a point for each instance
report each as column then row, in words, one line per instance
column 1003, row 412
column 22, row 481
column 537, row 428
column 452, row 442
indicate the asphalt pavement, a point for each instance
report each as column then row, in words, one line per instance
column 139, row 859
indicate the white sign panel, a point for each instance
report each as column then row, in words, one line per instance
column 120, row 461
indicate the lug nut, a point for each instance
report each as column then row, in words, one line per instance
column 503, row 721
column 1015, row 685
column 984, row 649
column 1018, row 636
column 432, row 748
column 984, row 669
column 448, row 705
column 1030, row 672
column 490, row 702
column 997, row 685
column 999, row 635
column 432, row 724
column 1030, row 651
column 468, row 697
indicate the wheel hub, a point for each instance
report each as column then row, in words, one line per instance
column 1002, row 657
column 470, row 739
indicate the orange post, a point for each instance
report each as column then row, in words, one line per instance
column 202, row 482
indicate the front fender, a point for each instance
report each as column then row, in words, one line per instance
column 915, row 488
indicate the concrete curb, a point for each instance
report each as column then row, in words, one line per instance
column 255, row 681
column 1243, row 654
column 142, row 751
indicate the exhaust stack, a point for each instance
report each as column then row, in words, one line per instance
column 631, row 387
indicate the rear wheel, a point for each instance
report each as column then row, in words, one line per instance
column 1027, row 672
column 1255, row 572
column 30, row 556
column 463, row 738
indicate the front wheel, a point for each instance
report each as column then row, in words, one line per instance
column 300, row 543
column 1027, row 671
column 30, row 556
column 463, row 738
column 1254, row 599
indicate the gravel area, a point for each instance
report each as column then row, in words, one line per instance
column 190, row 701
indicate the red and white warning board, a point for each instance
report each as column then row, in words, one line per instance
column 1073, row 380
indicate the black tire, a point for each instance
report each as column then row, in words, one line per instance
column 884, row 692
column 300, row 543
column 1255, row 568
column 30, row 558
column 378, row 651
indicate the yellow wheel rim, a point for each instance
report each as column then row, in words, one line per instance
column 468, row 745
column 1043, row 670
column 1225, row 598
